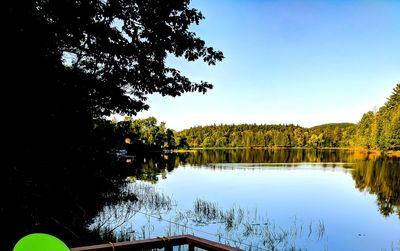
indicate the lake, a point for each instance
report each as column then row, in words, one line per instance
column 263, row 199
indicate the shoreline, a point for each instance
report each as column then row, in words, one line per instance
column 389, row 153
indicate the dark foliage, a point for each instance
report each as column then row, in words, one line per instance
column 66, row 64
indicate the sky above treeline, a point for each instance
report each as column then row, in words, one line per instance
column 288, row 62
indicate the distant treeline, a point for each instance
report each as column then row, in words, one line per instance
column 376, row 130
column 252, row 135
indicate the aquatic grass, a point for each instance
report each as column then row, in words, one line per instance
column 240, row 227
column 320, row 230
column 245, row 229
column 393, row 247
column 309, row 230
column 206, row 210
column 149, row 199
column 248, row 229
column 115, row 217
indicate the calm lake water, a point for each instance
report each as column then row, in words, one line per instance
column 264, row 199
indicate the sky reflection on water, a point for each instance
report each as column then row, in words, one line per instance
column 283, row 193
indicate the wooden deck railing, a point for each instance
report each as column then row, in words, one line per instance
column 163, row 242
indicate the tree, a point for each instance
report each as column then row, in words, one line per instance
column 181, row 142
column 395, row 129
column 394, row 99
column 368, row 130
column 299, row 137
column 119, row 45
column 389, row 121
column 313, row 141
column 68, row 62
column 66, row 65
column 380, row 130
column 170, row 139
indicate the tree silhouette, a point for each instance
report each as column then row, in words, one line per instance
column 115, row 51
column 65, row 65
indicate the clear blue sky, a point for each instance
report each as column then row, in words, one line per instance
column 289, row 62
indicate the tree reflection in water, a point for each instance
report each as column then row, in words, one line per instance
column 377, row 174
column 380, row 177
column 65, row 201
column 61, row 199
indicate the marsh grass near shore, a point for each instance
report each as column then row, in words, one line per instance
column 253, row 230
column 156, row 214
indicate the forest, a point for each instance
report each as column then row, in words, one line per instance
column 379, row 130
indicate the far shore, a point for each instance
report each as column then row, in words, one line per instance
column 390, row 153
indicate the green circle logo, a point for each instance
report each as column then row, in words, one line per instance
column 40, row 242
